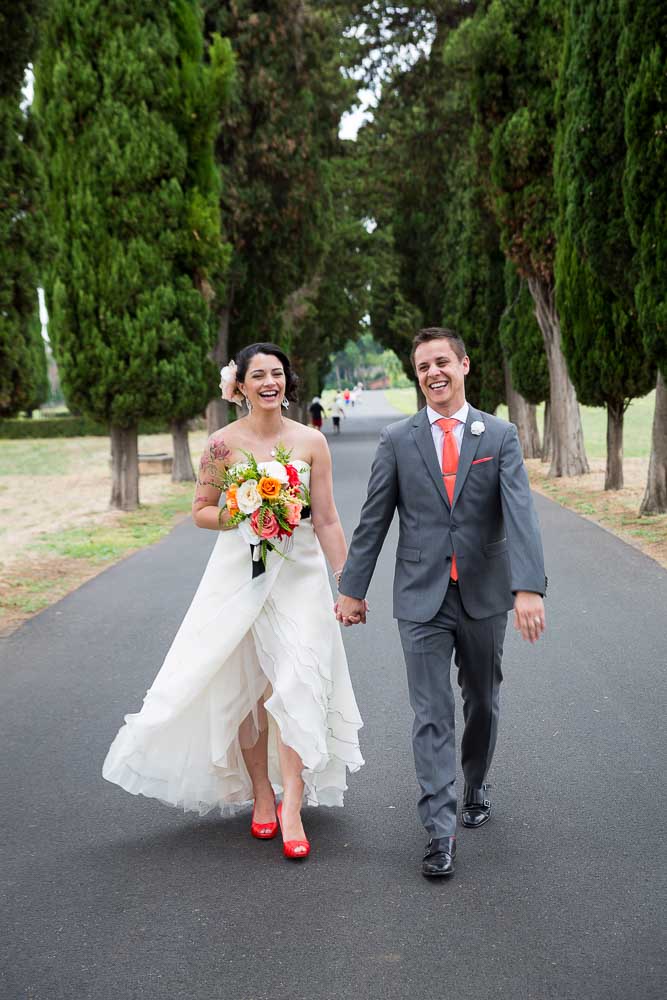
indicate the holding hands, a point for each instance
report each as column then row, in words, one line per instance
column 350, row 610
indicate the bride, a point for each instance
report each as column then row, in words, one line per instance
column 254, row 697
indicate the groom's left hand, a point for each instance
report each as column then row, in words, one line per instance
column 529, row 614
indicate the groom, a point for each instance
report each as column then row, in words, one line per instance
column 469, row 550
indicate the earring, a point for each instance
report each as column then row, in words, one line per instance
column 285, row 402
column 248, row 404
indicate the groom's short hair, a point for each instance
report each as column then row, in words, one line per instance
column 438, row 333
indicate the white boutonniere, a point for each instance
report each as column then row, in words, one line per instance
column 477, row 428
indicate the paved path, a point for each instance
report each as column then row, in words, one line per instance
column 111, row 897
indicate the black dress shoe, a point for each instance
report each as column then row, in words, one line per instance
column 476, row 809
column 439, row 858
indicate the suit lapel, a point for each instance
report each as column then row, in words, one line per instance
column 421, row 430
column 469, row 447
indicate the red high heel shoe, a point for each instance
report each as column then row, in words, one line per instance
column 263, row 831
column 296, row 850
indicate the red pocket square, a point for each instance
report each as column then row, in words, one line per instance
column 478, row 460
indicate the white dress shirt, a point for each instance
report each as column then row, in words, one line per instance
column 438, row 433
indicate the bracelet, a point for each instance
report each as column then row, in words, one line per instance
column 220, row 513
column 337, row 575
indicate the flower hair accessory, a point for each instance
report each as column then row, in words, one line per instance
column 229, row 386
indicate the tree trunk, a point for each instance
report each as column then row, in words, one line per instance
column 217, row 411
column 655, row 497
column 568, row 456
column 613, row 479
column 421, row 398
column 124, row 468
column 181, row 470
column 547, row 447
column 523, row 415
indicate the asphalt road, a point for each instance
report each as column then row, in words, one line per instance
column 111, row 897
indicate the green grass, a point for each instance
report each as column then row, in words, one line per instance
column 105, row 543
column 636, row 435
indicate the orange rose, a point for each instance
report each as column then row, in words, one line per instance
column 269, row 488
column 230, row 497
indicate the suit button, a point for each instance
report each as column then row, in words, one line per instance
column 452, row 527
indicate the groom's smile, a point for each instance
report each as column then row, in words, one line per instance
column 441, row 374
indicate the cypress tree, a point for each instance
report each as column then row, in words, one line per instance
column 23, row 380
column 642, row 62
column 511, row 51
column 278, row 136
column 525, row 360
column 595, row 274
column 125, row 106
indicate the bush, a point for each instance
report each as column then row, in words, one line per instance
column 51, row 427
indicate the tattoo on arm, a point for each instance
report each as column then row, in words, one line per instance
column 216, row 454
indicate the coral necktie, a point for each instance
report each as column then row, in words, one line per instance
column 450, row 463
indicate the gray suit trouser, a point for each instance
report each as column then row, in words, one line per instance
column 428, row 647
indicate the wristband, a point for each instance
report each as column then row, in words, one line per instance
column 220, row 513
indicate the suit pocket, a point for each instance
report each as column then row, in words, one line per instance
column 410, row 555
column 478, row 461
column 495, row 548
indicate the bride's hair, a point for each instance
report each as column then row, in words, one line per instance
column 246, row 354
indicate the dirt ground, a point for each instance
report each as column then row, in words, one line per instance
column 33, row 501
column 49, row 488
column 616, row 510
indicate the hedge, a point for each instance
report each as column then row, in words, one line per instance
column 51, row 427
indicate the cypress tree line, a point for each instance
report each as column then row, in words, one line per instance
column 438, row 258
column 278, row 136
column 125, row 104
column 642, row 62
column 23, row 378
column 322, row 316
column 511, row 52
column 595, row 272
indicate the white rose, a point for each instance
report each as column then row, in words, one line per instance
column 248, row 497
column 275, row 470
column 477, row 428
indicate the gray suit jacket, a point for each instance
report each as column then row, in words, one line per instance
column 491, row 524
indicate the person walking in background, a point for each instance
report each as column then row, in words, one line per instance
column 337, row 413
column 347, row 396
column 469, row 550
column 317, row 412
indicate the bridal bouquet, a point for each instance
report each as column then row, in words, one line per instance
column 265, row 501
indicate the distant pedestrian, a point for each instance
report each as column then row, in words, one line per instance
column 346, row 396
column 337, row 413
column 316, row 411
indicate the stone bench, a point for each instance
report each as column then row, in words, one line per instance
column 156, row 464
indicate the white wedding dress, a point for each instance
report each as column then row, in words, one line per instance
column 244, row 640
